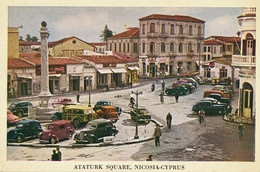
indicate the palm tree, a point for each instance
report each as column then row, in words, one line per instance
column 106, row 33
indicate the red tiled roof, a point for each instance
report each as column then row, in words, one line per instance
column 172, row 17
column 125, row 57
column 102, row 59
column 36, row 59
column 212, row 42
column 132, row 32
column 28, row 43
column 98, row 43
column 228, row 38
column 18, row 63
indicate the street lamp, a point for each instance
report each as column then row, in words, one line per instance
column 89, row 85
column 136, row 122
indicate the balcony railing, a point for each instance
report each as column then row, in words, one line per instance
column 239, row 60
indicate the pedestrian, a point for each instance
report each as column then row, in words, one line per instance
column 78, row 97
column 169, row 120
column 229, row 110
column 54, row 156
column 58, row 153
column 152, row 87
column 157, row 134
column 176, row 97
column 161, row 97
column 149, row 158
column 163, row 85
column 241, row 131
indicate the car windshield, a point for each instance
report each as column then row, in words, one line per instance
column 91, row 126
column 87, row 111
column 143, row 111
column 19, row 125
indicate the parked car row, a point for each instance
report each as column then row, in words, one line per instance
column 215, row 101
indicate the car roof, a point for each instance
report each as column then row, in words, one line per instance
column 77, row 107
column 27, row 121
column 99, row 121
column 60, row 122
column 20, row 102
column 105, row 101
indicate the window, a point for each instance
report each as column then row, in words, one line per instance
column 172, row 29
column 208, row 56
column 190, row 47
column 229, row 48
column 119, row 47
column 207, row 72
column 143, row 47
column 128, row 47
column 163, row 28
column 199, row 30
column 214, row 50
column 163, row 47
column 180, row 48
column 152, row 27
column 135, row 47
column 222, row 72
column 205, row 49
column 152, row 47
column 115, row 47
column 180, row 29
column 190, row 30
column 124, row 47
column 74, row 42
column 208, row 49
column 189, row 66
column 172, row 47
column 143, row 29
column 205, row 57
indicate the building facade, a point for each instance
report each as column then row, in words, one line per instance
column 13, row 42
column 212, row 49
column 169, row 45
column 100, row 47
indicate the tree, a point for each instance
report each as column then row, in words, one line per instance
column 106, row 33
column 21, row 38
column 31, row 39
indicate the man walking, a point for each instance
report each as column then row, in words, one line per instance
column 157, row 134
column 176, row 97
column 58, row 153
column 77, row 97
column 169, row 120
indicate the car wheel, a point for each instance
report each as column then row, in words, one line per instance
column 37, row 134
column 53, row 140
column 91, row 140
column 76, row 122
column 20, row 114
column 19, row 139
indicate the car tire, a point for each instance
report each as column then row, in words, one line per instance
column 19, row 139
column 53, row 140
column 70, row 135
column 76, row 123
column 91, row 140
column 20, row 114
column 37, row 134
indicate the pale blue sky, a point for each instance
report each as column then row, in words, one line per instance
column 87, row 23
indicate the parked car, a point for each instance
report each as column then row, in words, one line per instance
column 20, row 109
column 171, row 90
column 57, row 131
column 95, row 131
column 61, row 101
column 106, row 103
column 11, row 118
column 192, row 81
column 198, row 79
column 220, row 99
column 25, row 129
column 76, row 114
column 108, row 112
column 224, row 89
column 210, row 108
column 209, row 92
column 189, row 86
column 142, row 113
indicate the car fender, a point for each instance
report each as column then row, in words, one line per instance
column 53, row 135
column 19, row 134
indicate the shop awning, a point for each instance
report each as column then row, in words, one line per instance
column 24, row 75
column 133, row 68
column 104, row 70
column 55, row 75
column 75, row 74
column 118, row 70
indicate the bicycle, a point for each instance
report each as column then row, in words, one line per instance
column 201, row 120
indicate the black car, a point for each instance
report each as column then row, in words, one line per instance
column 172, row 90
column 189, row 86
column 95, row 131
column 25, row 129
column 20, row 109
column 210, row 108
column 101, row 103
column 143, row 115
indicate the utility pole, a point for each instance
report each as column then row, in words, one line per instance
column 89, row 86
column 136, row 122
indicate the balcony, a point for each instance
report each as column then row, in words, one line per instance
column 246, row 61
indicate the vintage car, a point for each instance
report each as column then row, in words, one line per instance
column 20, row 109
column 210, row 108
column 108, row 112
column 142, row 115
column 25, row 129
column 220, row 99
column 58, row 130
column 76, row 114
column 95, row 131
column 180, row 89
column 189, row 86
column 106, row 103
column 11, row 118
column 222, row 94
column 61, row 101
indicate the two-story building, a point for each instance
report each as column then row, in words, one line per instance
column 100, row 47
column 212, row 49
column 245, row 66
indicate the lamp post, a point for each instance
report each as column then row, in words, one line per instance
column 89, row 85
column 136, row 122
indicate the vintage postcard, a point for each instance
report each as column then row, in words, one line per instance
column 109, row 86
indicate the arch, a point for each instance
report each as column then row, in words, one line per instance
column 152, row 47
column 163, row 28
column 172, row 29
column 163, row 47
column 246, row 101
column 152, row 28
